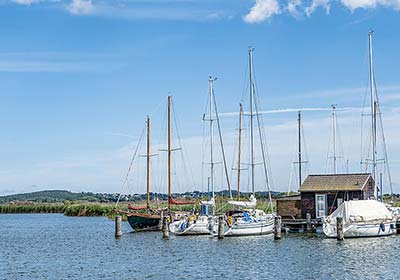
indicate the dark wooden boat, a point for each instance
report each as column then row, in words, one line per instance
column 144, row 221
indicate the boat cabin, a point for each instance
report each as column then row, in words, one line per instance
column 322, row 194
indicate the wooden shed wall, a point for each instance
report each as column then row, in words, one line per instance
column 288, row 209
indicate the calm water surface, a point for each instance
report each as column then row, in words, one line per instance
column 52, row 246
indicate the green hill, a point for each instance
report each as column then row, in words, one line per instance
column 52, row 196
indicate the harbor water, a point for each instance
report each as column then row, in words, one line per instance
column 53, row 246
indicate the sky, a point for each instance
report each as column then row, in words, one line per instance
column 79, row 77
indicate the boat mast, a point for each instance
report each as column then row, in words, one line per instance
column 169, row 155
column 373, row 112
column 334, row 137
column 251, row 118
column 239, row 148
column 299, row 143
column 210, row 81
column 148, row 163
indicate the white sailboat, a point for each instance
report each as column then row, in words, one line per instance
column 365, row 218
column 247, row 220
column 205, row 222
column 361, row 218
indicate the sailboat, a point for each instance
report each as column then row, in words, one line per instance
column 143, row 218
column 365, row 218
column 246, row 219
column 205, row 222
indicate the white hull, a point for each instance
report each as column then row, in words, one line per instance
column 199, row 227
column 251, row 228
column 361, row 230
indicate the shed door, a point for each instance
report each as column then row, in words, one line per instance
column 320, row 205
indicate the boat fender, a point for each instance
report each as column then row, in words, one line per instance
column 192, row 218
column 230, row 220
column 392, row 226
column 382, row 226
column 183, row 226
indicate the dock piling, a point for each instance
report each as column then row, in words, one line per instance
column 221, row 227
column 278, row 228
column 309, row 227
column 165, row 228
column 339, row 228
column 118, row 226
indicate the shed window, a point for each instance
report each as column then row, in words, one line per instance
column 320, row 200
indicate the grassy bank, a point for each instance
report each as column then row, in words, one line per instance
column 68, row 209
column 101, row 209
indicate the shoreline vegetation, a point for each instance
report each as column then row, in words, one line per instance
column 89, row 204
column 88, row 209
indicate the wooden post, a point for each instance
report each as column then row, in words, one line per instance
column 118, row 226
column 398, row 226
column 309, row 228
column 165, row 229
column 339, row 228
column 221, row 227
column 278, row 228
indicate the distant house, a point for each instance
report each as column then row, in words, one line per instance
column 322, row 194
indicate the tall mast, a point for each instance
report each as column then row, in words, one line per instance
column 299, row 143
column 169, row 154
column 239, row 148
column 210, row 81
column 373, row 112
column 148, row 163
column 334, row 137
column 251, row 118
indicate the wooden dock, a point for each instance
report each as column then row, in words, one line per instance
column 301, row 225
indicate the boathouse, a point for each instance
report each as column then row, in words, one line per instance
column 322, row 194
column 289, row 207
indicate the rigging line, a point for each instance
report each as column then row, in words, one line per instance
column 130, row 165
column 305, row 148
column 362, row 144
column 204, row 145
column 329, row 150
column 291, row 170
column 235, row 152
column 340, row 147
column 261, row 134
column 222, row 146
column 383, row 139
column 269, row 179
column 245, row 84
column 178, row 132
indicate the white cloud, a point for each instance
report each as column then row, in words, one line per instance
column 81, row 7
column 292, row 8
column 262, row 10
column 370, row 4
column 25, row 2
column 316, row 4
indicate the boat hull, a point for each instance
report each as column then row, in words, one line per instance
column 362, row 230
column 144, row 221
column 253, row 228
column 200, row 227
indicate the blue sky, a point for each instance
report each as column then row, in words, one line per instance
column 78, row 77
